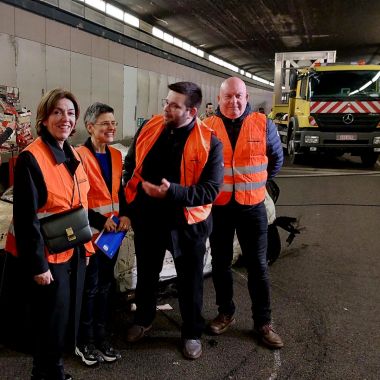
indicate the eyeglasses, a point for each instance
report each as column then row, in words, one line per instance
column 108, row 124
column 172, row 106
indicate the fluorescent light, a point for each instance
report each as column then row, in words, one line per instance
column 186, row 46
column 168, row 38
column 177, row 42
column 259, row 79
column 131, row 20
column 201, row 53
column 98, row 4
column 158, row 33
column 114, row 11
column 193, row 49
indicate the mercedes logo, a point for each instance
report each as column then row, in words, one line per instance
column 348, row 119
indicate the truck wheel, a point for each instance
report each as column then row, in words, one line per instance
column 289, row 143
column 369, row 159
column 295, row 158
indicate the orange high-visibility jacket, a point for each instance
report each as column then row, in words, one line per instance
column 245, row 168
column 59, row 184
column 194, row 158
column 99, row 197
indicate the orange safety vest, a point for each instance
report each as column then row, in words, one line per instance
column 245, row 168
column 99, row 197
column 194, row 158
column 59, row 184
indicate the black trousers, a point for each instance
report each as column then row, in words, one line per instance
column 150, row 249
column 55, row 315
column 96, row 297
column 15, row 315
column 251, row 226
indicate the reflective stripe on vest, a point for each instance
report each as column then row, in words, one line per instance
column 99, row 197
column 59, row 185
column 194, row 158
column 111, row 208
column 245, row 168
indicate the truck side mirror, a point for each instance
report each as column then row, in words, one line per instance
column 293, row 80
column 293, row 77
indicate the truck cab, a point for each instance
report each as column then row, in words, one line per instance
column 331, row 108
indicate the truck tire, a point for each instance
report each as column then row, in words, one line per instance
column 295, row 158
column 369, row 159
column 289, row 148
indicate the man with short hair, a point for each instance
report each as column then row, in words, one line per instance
column 252, row 154
column 208, row 112
column 173, row 173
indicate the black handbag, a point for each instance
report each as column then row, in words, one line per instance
column 67, row 229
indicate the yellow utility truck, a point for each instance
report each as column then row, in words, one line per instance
column 324, row 107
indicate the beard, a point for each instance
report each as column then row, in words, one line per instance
column 170, row 124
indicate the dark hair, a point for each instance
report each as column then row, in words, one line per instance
column 192, row 91
column 94, row 110
column 208, row 104
column 49, row 102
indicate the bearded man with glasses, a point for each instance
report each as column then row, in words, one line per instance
column 173, row 172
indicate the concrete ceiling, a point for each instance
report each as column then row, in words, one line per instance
column 249, row 33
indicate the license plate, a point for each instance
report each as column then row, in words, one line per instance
column 348, row 137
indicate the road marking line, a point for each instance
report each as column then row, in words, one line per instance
column 277, row 365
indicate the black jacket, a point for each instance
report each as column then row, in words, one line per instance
column 164, row 161
column 30, row 194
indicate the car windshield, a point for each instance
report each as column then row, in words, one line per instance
column 345, row 85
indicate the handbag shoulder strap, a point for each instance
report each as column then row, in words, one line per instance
column 72, row 197
column 76, row 181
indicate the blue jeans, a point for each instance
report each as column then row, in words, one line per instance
column 251, row 226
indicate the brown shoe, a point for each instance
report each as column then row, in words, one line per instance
column 221, row 323
column 137, row 332
column 269, row 337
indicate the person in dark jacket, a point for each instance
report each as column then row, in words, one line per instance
column 103, row 165
column 49, row 179
column 252, row 154
column 173, row 173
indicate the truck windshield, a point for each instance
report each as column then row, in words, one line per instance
column 352, row 84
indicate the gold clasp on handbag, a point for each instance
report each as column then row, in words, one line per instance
column 70, row 234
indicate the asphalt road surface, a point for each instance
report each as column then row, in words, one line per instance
column 325, row 296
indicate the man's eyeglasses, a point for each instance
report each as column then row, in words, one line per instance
column 108, row 124
column 172, row 106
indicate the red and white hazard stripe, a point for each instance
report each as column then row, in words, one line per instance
column 345, row 107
